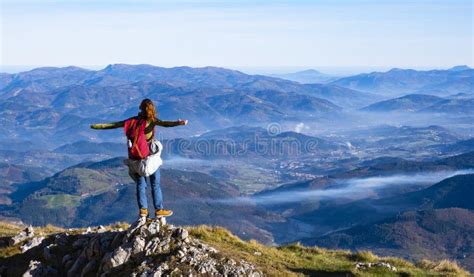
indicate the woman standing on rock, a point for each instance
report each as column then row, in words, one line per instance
column 140, row 132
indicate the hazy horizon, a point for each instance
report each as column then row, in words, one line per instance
column 331, row 70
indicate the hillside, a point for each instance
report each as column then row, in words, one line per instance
column 12, row 173
column 159, row 249
column 452, row 192
column 409, row 103
column 452, row 106
column 87, row 147
column 431, row 234
column 343, row 97
column 459, row 147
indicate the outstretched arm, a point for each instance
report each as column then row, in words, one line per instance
column 163, row 123
column 104, row 126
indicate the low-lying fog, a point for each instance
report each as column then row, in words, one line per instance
column 355, row 188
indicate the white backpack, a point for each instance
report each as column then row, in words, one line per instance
column 150, row 164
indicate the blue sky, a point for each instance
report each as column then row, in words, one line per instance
column 317, row 33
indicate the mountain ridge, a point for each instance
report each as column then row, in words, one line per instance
column 403, row 81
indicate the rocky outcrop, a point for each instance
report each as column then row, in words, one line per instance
column 145, row 249
column 27, row 233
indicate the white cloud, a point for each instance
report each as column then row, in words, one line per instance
column 299, row 127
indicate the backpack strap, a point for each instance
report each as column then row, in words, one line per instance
column 137, row 130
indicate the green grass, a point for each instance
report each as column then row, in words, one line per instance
column 61, row 200
column 94, row 181
column 91, row 180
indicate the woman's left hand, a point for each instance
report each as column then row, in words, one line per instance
column 182, row 122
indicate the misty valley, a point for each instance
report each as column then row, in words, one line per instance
column 382, row 161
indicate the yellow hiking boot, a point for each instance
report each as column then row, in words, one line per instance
column 143, row 212
column 163, row 213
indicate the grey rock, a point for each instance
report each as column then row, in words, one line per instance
column 80, row 243
column 32, row 243
column 47, row 252
column 35, row 269
column 69, row 264
column 76, row 268
column 164, row 242
column 138, row 245
column 117, row 240
column 101, row 229
column 89, row 267
column 87, row 231
column 182, row 233
column 50, row 271
column 30, row 231
column 365, row 266
column 118, row 257
column 152, row 246
column 61, row 239
column 66, row 258
column 154, row 228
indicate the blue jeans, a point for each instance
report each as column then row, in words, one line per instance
column 154, row 181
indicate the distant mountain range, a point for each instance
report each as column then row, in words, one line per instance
column 250, row 142
column 309, row 76
column 410, row 103
column 54, row 106
column 396, row 82
column 424, row 104
column 62, row 102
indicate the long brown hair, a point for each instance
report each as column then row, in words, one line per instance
column 147, row 109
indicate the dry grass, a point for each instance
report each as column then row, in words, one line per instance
column 295, row 259
column 9, row 229
column 365, row 256
column 443, row 267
